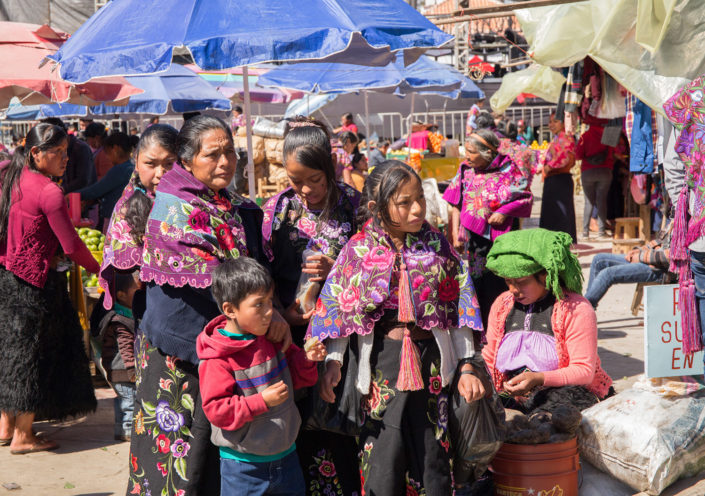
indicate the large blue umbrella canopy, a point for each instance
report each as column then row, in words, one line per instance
column 177, row 90
column 423, row 76
column 128, row 37
column 18, row 112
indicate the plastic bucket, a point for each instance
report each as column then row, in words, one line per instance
column 536, row 470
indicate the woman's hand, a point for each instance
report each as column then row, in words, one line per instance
column 523, row 383
column 279, row 331
column 318, row 266
column 497, row 219
column 470, row 388
column 330, row 379
column 294, row 317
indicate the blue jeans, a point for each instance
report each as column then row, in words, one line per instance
column 280, row 477
column 124, row 406
column 697, row 266
column 607, row 269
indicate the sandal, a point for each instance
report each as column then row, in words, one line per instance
column 5, row 442
column 41, row 445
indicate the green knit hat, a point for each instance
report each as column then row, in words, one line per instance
column 523, row 253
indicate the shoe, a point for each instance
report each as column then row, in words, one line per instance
column 603, row 237
column 41, row 445
column 5, row 442
column 585, row 236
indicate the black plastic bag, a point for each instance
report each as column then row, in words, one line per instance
column 344, row 416
column 476, row 429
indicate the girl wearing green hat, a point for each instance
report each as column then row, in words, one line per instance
column 542, row 334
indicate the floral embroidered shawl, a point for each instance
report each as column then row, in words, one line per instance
column 190, row 231
column 686, row 109
column 120, row 250
column 360, row 286
column 327, row 238
column 558, row 151
column 503, row 186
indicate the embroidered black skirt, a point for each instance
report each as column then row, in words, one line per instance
column 43, row 365
column 557, row 208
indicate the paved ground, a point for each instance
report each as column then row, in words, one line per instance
column 89, row 462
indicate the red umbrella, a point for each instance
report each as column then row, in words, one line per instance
column 478, row 64
column 22, row 49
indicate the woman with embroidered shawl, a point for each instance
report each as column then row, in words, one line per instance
column 155, row 155
column 194, row 225
column 557, row 209
column 489, row 194
column 401, row 290
column 315, row 213
column 542, row 334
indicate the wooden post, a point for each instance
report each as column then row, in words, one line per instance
column 645, row 222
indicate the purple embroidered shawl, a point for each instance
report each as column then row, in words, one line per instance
column 501, row 187
column 120, row 250
column 327, row 239
column 190, row 231
column 361, row 286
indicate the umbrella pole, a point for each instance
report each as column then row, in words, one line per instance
column 411, row 122
column 367, row 119
column 248, row 127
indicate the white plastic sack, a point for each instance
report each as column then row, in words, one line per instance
column 645, row 439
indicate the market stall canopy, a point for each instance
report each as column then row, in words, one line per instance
column 537, row 79
column 23, row 47
column 221, row 34
column 651, row 47
column 177, row 90
column 18, row 112
column 424, row 75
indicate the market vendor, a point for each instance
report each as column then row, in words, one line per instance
column 542, row 335
column 43, row 368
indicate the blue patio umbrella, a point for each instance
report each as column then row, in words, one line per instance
column 18, row 112
column 128, row 37
column 425, row 76
column 177, row 90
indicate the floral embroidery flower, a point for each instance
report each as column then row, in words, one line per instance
column 435, row 385
column 162, row 468
column 449, row 289
column 171, row 362
column 168, row 419
column 348, row 298
column 139, row 423
column 180, row 448
column 158, row 257
column 133, row 462
column 222, row 202
column 373, row 399
column 164, row 228
column 199, row 220
column 136, row 489
column 307, row 226
column 442, row 411
column 327, row 469
column 165, row 384
column 425, row 292
column 180, row 492
column 418, row 281
column 176, row 262
column 121, row 232
column 225, row 237
column 379, row 257
column 163, row 443
column 202, row 254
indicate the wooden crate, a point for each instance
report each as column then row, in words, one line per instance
column 624, row 245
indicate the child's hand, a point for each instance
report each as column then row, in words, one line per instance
column 317, row 352
column 330, row 379
column 276, row 394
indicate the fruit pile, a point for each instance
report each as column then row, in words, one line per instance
column 94, row 239
column 89, row 280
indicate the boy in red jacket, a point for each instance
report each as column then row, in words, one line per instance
column 246, row 382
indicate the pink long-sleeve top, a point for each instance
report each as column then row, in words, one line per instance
column 38, row 223
column 575, row 329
